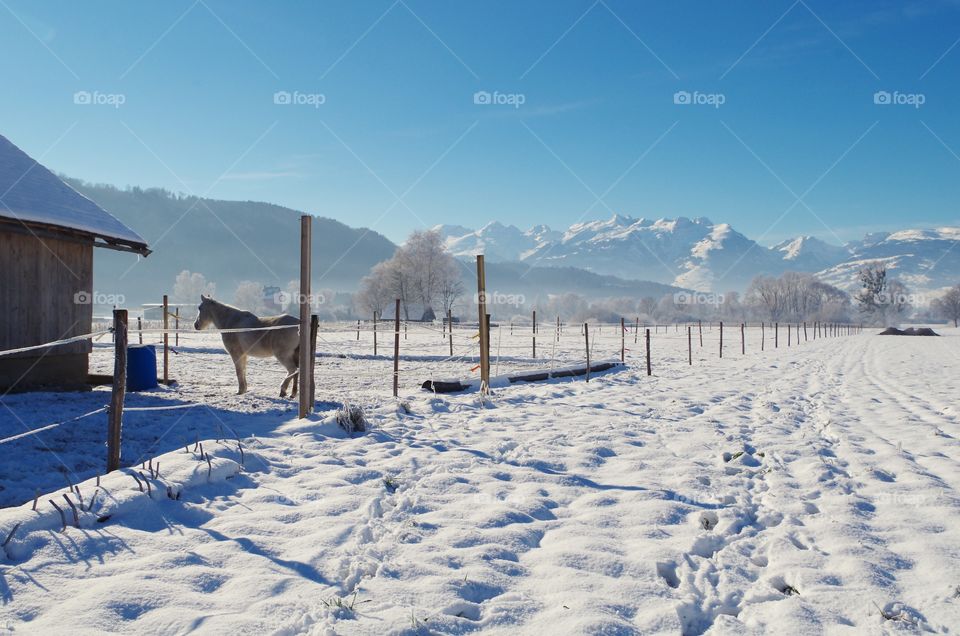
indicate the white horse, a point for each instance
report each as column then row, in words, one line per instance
column 283, row 344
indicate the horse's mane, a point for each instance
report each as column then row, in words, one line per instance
column 228, row 306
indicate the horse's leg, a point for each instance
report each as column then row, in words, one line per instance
column 296, row 366
column 240, row 362
column 290, row 367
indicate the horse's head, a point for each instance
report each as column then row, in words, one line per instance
column 204, row 313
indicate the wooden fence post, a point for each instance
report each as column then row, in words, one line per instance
column 805, row 331
column 306, row 360
column 314, row 330
column 700, row 329
column 623, row 341
column 374, row 333
column 789, row 336
column 140, row 328
column 358, row 330
column 649, row 371
column 586, row 342
column 115, row 416
column 176, row 326
column 636, row 331
column 689, row 345
column 534, row 327
column 166, row 342
column 721, row 338
column 450, row 329
column 396, row 351
column 763, row 336
column 743, row 342
column 482, row 316
column 486, row 322
column 776, row 335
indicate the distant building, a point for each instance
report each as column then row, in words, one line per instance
column 47, row 234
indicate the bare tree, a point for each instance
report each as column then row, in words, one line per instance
column 896, row 299
column 769, row 295
column 797, row 296
column 948, row 305
column 375, row 290
column 449, row 286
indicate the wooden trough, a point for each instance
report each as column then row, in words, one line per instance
column 454, row 386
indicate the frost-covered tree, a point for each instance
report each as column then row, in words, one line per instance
column 768, row 294
column 647, row 307
column 249, row 296
column 947, row 306
column 881, row 298
column 189, row 286
column 896, row 300
column 449, row 288
column 873, row 282
column 421, row 272
column 374, row 291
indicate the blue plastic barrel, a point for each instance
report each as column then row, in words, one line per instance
column 141, row 367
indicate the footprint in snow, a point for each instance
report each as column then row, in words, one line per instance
column 667, row 570
column 708, row 520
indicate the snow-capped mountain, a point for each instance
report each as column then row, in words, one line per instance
column 810, row 254
column 691, row 253
column 497, row 241
column 926, row 260
column 699, row 254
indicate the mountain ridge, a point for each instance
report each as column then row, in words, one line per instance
column 697, row 253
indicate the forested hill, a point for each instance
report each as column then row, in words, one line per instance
column 226, row 241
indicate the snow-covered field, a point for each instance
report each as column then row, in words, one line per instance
column 797, row 490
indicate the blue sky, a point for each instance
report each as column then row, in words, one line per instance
column 798, row 145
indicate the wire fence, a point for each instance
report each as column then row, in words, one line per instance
column 354, row 366
column 441, row 350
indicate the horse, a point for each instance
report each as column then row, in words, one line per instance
column 282, row 344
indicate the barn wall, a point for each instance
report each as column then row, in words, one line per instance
column 40, row 280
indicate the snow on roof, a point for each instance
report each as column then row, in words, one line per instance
column 32, row 194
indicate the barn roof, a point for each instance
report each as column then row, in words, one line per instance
column 35, row 197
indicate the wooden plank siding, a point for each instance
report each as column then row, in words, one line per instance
column 39, row 283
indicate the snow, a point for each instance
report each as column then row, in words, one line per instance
column 796, row 490
column 32, row 193
column 808, row 253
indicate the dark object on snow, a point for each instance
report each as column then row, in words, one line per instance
column 912, row 331
column 439, row 386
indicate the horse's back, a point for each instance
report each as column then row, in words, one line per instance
column 282, row 319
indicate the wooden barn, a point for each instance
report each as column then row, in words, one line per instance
column 47, row 234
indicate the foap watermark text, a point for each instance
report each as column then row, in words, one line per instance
column 296, row 98
column 696, row 98
column 496, row 98
column 96, row 98
column 896, row 98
